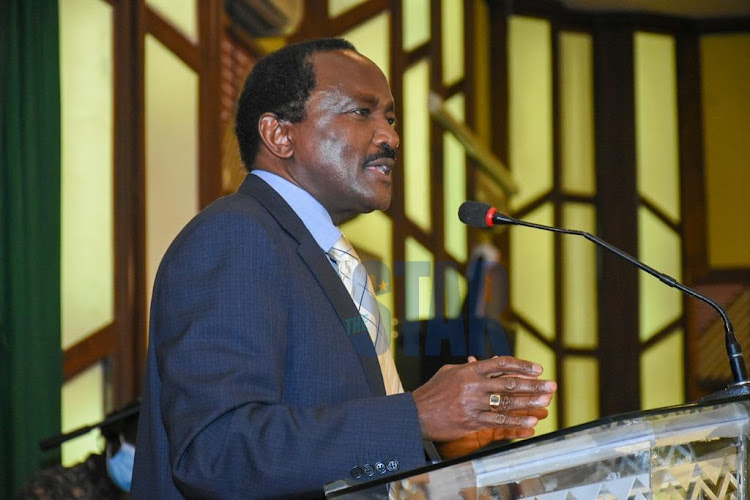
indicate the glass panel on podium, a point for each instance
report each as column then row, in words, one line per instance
column 689, row 451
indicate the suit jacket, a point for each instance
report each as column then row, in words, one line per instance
column 254, row 387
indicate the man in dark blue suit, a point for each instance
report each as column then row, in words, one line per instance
column 256, row 384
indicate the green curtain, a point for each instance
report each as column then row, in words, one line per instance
column 30, row 353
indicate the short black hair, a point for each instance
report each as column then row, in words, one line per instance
column 280, row 83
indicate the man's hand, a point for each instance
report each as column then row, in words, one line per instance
column 456, row 400
column 481, row 438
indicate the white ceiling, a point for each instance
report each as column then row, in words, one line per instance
column 687, row 8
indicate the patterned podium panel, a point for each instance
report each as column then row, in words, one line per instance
column 693, row 452
column 708, row 471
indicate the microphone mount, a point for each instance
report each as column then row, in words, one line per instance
column 741, row 385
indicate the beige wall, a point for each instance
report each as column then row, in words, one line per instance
column 725, row 82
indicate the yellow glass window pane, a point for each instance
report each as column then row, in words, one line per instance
column 725, row 73
column 530, row 106
column 452, row 16
column 416, row 24
column 372, row 236
column 82, row 405
column 171, row 150
column 182, row 14
column 579, row 280
column 454, row 184
column 371, row 39
column 336, row 7
column 660, row 248
column 663, row 372
column 532, row 277
column 656, row 121
column 456, row 289
column 416, row 146
column 86, row 94
column 530, row 348
column 483, row 87
column 418, row 281
column 577, row 113
column 581, row 403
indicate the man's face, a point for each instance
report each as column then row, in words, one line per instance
column 344, row 149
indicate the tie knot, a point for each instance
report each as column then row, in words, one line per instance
column 343, row 251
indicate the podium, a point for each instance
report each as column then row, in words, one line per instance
column 691, row 451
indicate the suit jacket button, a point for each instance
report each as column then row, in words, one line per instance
column 392, row 465
column 380, row 467
column 369, row 470
column 357, row 472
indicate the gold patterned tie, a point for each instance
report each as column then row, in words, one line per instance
column 357, row 282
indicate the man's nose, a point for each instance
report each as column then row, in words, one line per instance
column 386, row 134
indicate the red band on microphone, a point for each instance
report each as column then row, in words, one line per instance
column 489, row 217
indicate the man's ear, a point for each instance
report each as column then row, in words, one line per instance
column 275, row 135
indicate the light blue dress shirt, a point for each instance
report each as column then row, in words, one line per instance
column 314, row 216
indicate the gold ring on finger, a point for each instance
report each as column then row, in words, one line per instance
column 494, row 401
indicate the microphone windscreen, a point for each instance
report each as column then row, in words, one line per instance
column 474, row 213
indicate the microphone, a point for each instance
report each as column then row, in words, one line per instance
column 483, row 215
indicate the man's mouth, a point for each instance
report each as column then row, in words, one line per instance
column 383, row 169
column 381, row 162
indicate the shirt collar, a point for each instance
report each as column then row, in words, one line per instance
column 314, row 216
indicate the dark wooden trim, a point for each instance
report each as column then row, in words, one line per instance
column 692, row 188
column 659, row 214
column 692, row 355
column 316, row 23
column 436, row 163
column 645, row 21
column 171, row 37
column 577, row 198
column 129, row 203
column 458, row 87
column 568, row 27
column 724, row 25
column 499, row 78
column 210, row 30
column 692, row 175
column 357, row 15
column 707, row 387
column 412, row 230
column 617, row 218
column 664, row 332
column 417, row 54
column 537, row 8
column 530, row 328
column 582, row 19
column 89, row 351
column 498, row 103
column 720, row 276
column 461, row 265
column 581, row 352
column 401, row 225
column 469, row 85
column 535, row 203
column 313, row 22
column 557, row 209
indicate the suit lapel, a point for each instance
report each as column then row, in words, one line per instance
column 324, row 273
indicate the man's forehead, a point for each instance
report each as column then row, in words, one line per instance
column 351, row 73
column 338, row 57
column 342, row 65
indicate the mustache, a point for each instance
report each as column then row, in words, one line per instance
column 385, row 152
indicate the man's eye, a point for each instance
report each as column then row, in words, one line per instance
column 363, row 112
column 392, row 122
